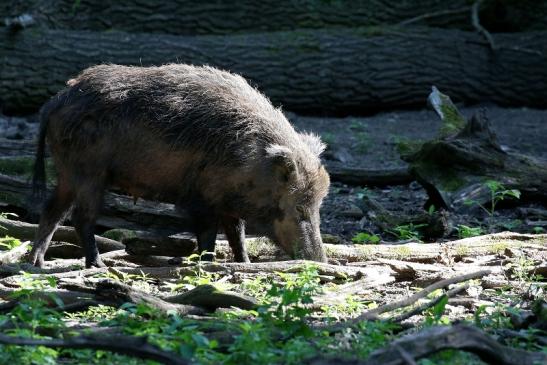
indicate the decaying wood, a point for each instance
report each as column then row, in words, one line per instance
column 117, row 293
column 131, row 346
column 292, row 64
column 15, row 254
column 211, row 298
column 119, row 211
column 180, row 246
column 49, row 296
column 27, row 231
column 454, row 167
column 370, row 177
column 294, row 266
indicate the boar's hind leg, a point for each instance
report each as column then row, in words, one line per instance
column 54, row 211
column 234, row 229
column 88, row 204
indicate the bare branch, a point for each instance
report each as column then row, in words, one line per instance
column 131, row 346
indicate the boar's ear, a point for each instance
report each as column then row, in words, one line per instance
column 282, row 161
column 313, row 142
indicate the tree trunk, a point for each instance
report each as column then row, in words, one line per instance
column 223, row 17
column 455, row 168
column 340, row 71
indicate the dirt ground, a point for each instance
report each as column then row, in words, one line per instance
column 371, row 143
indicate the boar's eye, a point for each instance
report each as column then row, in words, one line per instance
column 302, row 211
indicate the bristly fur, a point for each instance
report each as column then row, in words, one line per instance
column 202, row 109
column 184, row 103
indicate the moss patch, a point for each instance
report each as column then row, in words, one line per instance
column 119, row 234
column 22, row 167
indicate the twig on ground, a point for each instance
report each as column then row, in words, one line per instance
column 477, row 25
column 435, row 14
column 131, row 346
column 420, row 309
column 375, row 313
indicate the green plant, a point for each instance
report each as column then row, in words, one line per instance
column 408, row 231
column 466, row 231
column 435, row 315
column 29, row 315
column 538, row 230
column 286, row 305
column 361, row 193
column 494, row 316
column 363, row 238
column 497, row 194
column 522, row 270
column 9, row 243
column 511, row 225
column 200, row 276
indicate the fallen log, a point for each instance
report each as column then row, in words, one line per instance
column 456, row 168
column 211, row 298
column 27, row 231
column 188, row 17
column 168, row 246
column 119, row 211
column 319, row 71
column 15, row 254
column 360, row 176
column 116, row 293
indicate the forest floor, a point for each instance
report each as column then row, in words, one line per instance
column 401, row 286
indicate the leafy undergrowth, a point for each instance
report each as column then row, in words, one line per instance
column 287, row 327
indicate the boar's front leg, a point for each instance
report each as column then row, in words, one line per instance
column 206, row 233
column 234, row 229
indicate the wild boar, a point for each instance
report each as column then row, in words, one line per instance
column 198, row 137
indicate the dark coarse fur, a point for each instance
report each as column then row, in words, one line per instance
column 199, row 137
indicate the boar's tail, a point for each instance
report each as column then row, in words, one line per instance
column 39, row 174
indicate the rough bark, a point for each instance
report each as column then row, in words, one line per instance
column 27, row 231
column 119, row 211
column 360, row 176
column 341, row 71
column 220, row 17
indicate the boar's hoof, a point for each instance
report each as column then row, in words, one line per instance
column 36, row 260
column 95, row 263
column 208, row 256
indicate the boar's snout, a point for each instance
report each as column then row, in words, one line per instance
column 300, row 238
